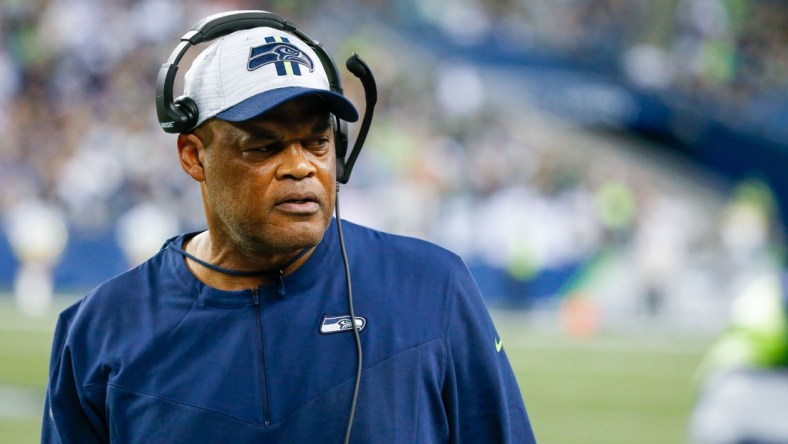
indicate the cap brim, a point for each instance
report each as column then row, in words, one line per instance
column 268, row 100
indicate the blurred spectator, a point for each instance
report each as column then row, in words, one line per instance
column 38, row 236
column 141, row 229
column 743, row 382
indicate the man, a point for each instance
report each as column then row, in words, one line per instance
column 241, row 333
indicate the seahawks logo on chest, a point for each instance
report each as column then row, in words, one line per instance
column 340, row 324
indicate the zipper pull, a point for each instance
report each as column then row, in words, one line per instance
column 280, row 290
column 255, row 298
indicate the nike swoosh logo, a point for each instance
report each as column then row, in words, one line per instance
column 498, row 345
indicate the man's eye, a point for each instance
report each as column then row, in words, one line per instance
column 265, row 149
column 320, row 142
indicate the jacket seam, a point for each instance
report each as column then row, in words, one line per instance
column 175, row 401
column 450, row 302
column 309, row 401
column 418, row 400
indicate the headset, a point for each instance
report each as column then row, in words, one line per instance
column 180, row 115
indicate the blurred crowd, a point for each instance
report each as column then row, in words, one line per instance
column 511, row 188
column 725, row 51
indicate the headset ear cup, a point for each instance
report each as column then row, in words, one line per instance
column 187, row 107
column 340, row 138
column 340, row 146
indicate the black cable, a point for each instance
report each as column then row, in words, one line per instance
column 356, row 337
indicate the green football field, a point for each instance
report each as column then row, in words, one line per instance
column 613, row 388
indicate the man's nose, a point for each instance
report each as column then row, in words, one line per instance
column 295, row 163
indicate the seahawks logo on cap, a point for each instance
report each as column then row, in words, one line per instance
column 340, row 324
column 284, row 55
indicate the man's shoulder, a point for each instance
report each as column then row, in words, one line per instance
column 128, row 279
column 127, row 288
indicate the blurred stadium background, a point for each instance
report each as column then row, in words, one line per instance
column 612, row 171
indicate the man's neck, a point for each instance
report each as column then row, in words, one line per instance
column 228, row 268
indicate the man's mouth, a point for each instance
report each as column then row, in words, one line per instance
column 301, row 204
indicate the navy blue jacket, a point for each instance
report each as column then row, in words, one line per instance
column 156, row 356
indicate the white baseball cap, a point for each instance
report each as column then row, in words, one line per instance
column 246, row 73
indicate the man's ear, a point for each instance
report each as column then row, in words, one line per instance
column 189, row 148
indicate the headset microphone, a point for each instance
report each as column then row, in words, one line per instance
column 360, row 69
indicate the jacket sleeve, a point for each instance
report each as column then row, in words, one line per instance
column 481, row 395
column 70, row 415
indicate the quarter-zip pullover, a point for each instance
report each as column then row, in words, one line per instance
column 154, row 355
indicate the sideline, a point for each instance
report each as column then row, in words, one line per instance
column 542, row 331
